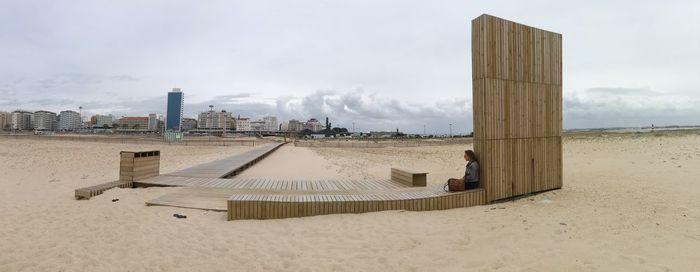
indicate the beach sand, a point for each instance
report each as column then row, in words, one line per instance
column 628, row 204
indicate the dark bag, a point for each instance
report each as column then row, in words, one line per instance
column 454, row 185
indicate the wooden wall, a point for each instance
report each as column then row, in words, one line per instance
column 517, row 96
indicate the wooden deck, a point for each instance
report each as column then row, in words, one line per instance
column 88, row 192
column 211, row 186
column 227, row 167
column 276, row 184
column 259, row 198
column 266, row 206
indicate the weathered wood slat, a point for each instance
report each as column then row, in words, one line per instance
column 517, row 102
column 230, row 166
column 260, row 206
column 91, row 191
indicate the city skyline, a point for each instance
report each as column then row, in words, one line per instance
column 303, row 60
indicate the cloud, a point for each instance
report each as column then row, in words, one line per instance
column 622, row 91
column 599, row 107
column 123, row 78
column 67, row 80
column 628, row 107
column 368, row 110
column 411, row 58
column 376, row 112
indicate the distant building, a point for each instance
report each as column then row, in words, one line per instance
column 103, row 121
column 270, row 123
column 295, row 125
column 69, row 120
column 153, row 122
column 243, row 124
column 135, row 123
column 314, row 125
column 215, row 120
column 45, row 120
column 176, row 103
column 258, row 125
column 382, row 134
column 5, row 120
column 189, row 124
column 22, row 120
column 284, row 126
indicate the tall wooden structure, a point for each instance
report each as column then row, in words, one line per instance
column 517, row 96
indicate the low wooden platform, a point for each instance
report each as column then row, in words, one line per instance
column 227, row 167
column 211, row 186
column 89, row 192
column 257, row 198
column 266, row 206
column 212, row 199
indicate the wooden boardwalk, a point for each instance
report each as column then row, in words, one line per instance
column 227, row 167
column 260, row 198
column 266, row 206
column 212, row 186
column 276, row 184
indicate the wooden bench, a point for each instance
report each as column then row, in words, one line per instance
column 88, row 192
column 409, row 177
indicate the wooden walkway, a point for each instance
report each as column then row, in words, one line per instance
column 212, row 186
column 266, row 206
column 275, row 184
column 227, row 167
column 260, row 198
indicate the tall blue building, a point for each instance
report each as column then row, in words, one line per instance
column 173, row 117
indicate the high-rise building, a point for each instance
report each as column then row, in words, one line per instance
column 22, row 120
column 5, row 120
column 45, row 120
column 153, row 122
column 176, row 103
column 69, row 120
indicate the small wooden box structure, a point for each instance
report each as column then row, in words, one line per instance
column 517, row 96
column 409, row 177
column 135, row 166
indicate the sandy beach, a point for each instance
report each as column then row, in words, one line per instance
column 629, row 203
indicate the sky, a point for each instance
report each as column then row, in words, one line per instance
column 380, row 64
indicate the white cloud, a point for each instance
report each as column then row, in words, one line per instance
column 412, row 58
column 613, row 107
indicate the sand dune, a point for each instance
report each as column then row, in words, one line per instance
column 629, row 204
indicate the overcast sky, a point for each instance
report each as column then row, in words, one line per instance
column 380, row 64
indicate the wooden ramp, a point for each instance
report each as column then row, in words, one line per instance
column 227, row 167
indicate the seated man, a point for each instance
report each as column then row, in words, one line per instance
column 471, row 174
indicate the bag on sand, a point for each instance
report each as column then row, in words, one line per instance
column 454, row 185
